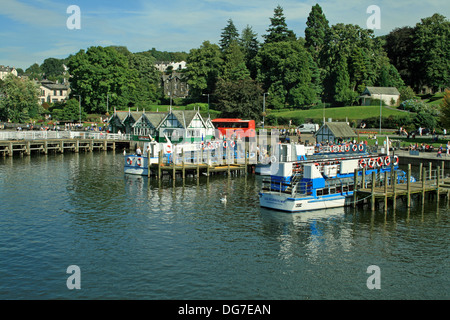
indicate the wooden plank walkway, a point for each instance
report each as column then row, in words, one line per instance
column 432, row 181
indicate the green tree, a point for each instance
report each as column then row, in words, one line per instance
column 284, row 71
column 229, row 35
column 239, row 99
column 399, row 46
column 19, row 100
column 203, row 68
column 278, row 30
column 234, row 63
column 52, row 68
column 100, row 72
column 431, row 52
column 445, row 110
column 34, row 72
column 67, row 111
column 250, row 46
column 316, row 29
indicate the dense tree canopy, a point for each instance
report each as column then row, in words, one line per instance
column 19, row 100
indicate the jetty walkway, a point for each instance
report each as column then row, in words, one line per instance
column 28, row 142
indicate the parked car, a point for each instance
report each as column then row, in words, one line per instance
column 308, row 128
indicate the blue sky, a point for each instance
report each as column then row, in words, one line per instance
column 33, row 30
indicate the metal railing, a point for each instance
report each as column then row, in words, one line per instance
column 42, row 135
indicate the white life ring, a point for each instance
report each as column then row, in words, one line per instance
column 273, row 159
column 129, row 161
column 347, row 148
column 379, row 161
column 354, row 148
column 139, row 162
column 225, row 144
column 371, row 163
column 361, row 147
column 232, row 144
column 168, row 148
column 387, row 161
column 395, row 160
column 362, row 163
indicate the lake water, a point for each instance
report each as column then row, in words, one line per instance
column 132, row 239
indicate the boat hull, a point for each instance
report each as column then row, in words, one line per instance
column 283, row 202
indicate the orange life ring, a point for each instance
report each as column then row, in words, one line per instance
column 371, row 163
column 354, row 148
column 361, row 147
column 129, row 161
column 387, row 161
column 347, row 148
column 139, row 162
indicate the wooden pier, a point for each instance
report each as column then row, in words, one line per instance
column 44, row 146
column 205, row 167
column 385, row 187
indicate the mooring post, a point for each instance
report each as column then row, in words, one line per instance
column 364, row 178
column 355, row 187
column 420, row 171
column 148, row 164
column 160, row 155
column 423, row 184
column 408, row 186
column 394, row 188
column 385, row 190
column 429, row 171
column 183, row 171
column 438, row 181
column 373, row 191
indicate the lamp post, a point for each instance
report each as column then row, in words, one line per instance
column 264, row 107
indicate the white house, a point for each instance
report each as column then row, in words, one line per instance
column 389, row 95
column 4, row 71
column 176, row 66
column 50, row 92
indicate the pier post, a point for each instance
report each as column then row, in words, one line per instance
column 183, row 171
column 373, row 192
column 394, row 188
column 160, row 155
column 442, row 169
column 355, row 187
column 363, row 178
column 429, row 170
column 420, row 171
column 148, row 164
column 423, row 184
column 28, row 148
column 10, row 149
column 385, row 190
column 77, row 146
column 438, row 181
column 408, row 186
column 45, row 147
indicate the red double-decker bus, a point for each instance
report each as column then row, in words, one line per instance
column 238, row 126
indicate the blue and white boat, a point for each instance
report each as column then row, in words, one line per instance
column 321, row 184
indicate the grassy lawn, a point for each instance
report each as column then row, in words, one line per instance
column 351, row 113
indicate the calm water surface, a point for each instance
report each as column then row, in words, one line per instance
column 135, row 240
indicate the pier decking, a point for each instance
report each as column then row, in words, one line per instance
column 386, row 187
